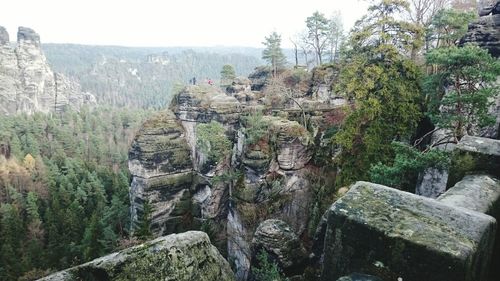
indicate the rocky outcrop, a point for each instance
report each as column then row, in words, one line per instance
column 475, row 155
column 278, row 239
column 485, row 31
column 28, row 85
column 480, row 193
column 181, row 257
column 488, row 7
column 160, row 163
column 359, row 277
column 266, row 178
column 389, row 233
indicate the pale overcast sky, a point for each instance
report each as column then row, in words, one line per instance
column 169, row 23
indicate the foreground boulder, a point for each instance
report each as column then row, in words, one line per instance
column 475, row 155
column 278, row 239
column 480, row 193
column 389, row 233
column 179, row 257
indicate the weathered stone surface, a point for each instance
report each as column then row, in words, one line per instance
column 161, row 167
column 9, row 76
column 4, row 36
column 359, row 277
column 483, row 146
column 475, row 155
column 487, row 7
column 259, row 78
column 485, row 32
column 292, row 143
column 178, row 257
column 278, row 239
column 432, row 183
column 28, row 85
column 206, row 103
column 480, row 193
column 388, row 233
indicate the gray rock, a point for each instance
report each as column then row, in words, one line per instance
column 480, row 193
column 178, row 257
column 480, row 146
column 485, row 33
column 26, row 35
column 359, row 277
column 28, row 85
column 475, row 155
column 4, row 36
column 432, row 183
column 389, row 233
column 487, row 7
column 279, row 240
column 161, row 168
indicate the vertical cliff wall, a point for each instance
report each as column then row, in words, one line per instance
column 27, row 83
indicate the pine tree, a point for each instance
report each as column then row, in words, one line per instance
column 273, row 52
column 318, row 34
column 383, row 84
column 143, row 231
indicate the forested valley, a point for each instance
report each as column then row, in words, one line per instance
column 64, row 196
column 382, row 103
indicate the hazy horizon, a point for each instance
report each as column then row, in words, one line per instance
column 188, row 23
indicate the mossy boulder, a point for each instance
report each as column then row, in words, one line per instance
column 393, row 234
column 474, row 155
column 187, row 256
column 277, row 238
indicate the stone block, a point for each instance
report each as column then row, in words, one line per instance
column 392, row 234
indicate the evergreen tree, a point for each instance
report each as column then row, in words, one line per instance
column 92, row 244
column 11, row 233
column 143, row 231
column 318, row 33
column 383, row 84
column 227, row 74
column 462, row 89
column 273, row 52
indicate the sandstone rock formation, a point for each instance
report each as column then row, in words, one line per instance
column 181, row 257
column 160, row 163
column 28, row 85
column 389, row 233
column 485, row 31
column 268, row 179
column 281, row 243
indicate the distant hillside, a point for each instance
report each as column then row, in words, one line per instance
column 144, row 77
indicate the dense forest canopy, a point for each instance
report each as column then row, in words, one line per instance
column 63, row 188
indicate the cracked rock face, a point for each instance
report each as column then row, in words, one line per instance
column 27, row 83
column 161, row 167
column 278, row 239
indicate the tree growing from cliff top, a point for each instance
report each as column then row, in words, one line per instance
column 462, row 90
column 383, row 85
column 227, row 74
column 448, row 26
column 318, row 34
column 273, row 53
